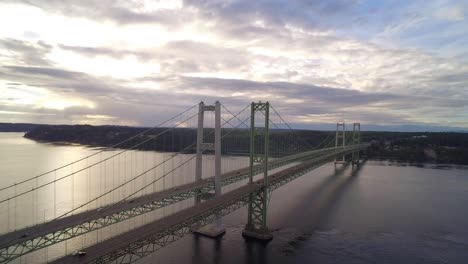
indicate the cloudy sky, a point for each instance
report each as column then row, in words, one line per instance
column 395, row 63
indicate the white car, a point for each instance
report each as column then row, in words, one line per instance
column 79, row 253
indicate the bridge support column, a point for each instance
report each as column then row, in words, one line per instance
column 356, row 141
column 201, row 118
column 216, row 228
column 340, row 135
column 256, row 226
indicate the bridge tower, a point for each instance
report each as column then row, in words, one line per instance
column 256, row 226
column 356, row 141
column 216, row 229
column 340, row 140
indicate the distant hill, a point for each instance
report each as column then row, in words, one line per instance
column 434, row 147
column 18, row 127
column 235, row 141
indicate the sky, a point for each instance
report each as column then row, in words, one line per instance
column 397, row 65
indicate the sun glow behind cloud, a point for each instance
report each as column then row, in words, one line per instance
column 126, row 67
column 149, row 6
column 34, row 97
column 62, row 103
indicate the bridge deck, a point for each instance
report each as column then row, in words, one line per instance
column 158, row 226
column 17, row 236
column 50, row 228
column 119, row 242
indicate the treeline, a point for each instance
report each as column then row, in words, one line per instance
column 234, row 141
column 432, row 147
column 17, row 127
column 443, row 147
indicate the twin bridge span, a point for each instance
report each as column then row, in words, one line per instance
column 276, row 155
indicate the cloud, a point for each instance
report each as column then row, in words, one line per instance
column 122, row 12
column 42, row 71
column 315, row 61
column 300, row 103
column 99, row 51
column 23, row 52
column 451, row 13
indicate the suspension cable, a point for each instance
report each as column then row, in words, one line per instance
column 143, row 173
column 293, row 132
column 185, row 162
column 154, row 181
column 96, row 153
column 274, row 110
column 236, row 115
column 94, row 164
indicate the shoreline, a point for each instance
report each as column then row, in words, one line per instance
column 395, row 160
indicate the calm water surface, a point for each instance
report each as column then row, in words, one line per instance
column 382, row 213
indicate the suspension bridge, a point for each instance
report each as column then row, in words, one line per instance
column 109, row 206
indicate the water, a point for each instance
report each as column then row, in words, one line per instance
column 21, row 158
column 383, row 213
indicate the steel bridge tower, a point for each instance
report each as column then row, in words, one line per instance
column 340, row 136
column 356, row 141
column 256, row 226
column 216, row 229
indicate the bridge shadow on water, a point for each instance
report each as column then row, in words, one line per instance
column 310, row 212
column 319, row 204
column 198, row 252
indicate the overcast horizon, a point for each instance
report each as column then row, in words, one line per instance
column 395, row 65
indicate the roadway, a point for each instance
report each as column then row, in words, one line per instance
column 127, row 245
column 23, row 241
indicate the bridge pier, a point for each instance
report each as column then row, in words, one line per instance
column 256, row 226
column 212, row 230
